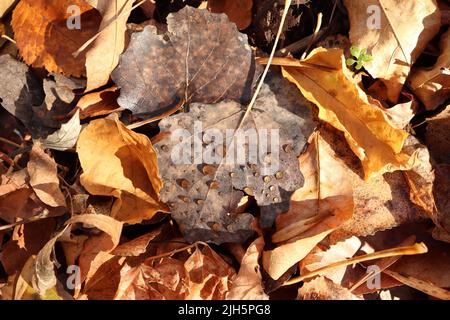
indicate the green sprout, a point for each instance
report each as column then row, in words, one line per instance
column 360, row 56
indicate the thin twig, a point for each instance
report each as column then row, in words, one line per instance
column 417, row 248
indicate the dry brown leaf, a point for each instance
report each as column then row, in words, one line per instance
column 45, row 21
column 404, row 30
column 240, row 12
column 247, row 285
column 44, row 177
column 120, row 163
column 44, row 276
column 432, row 85
column 316, row 209
column 103, row 54
column 346, row 107
column 204, row 275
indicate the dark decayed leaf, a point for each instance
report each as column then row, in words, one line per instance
column 202, row 58
column 22, row 91
column 203, row 196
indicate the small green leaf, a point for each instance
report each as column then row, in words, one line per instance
column 350, row 62
column 366, row 58
column 359, row 65
column 355, row 51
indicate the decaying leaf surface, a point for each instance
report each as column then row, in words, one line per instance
column 54, row 42
column 432, row 85
column 247, row 285
column 315, row 211
column 35, row 236
column 205, row 60
column 437, row 137
column 102, row 56
column 394, row 35
column 120, row 163
column 240, row 12
column 346, row 107
column 203, row 196
column 381, row 203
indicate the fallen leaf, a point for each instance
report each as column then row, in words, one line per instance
column 338, row 252
column 65, row 137
column 154, row 74
column 203, row 276
column 44, row 177
column 120, row 163
column 99, row 103
column 346, row 107
column 203, row 194
column 35, row 235
column 5, row 6
column 47, row 23
column 437, row 137
column 22, row 91
column 316, row 209
column 240, row 12
column 103, row 54
column 247, row 285
column 441, row 193
column 432, row 85
column 394, row 33
column 44, row 276
column 381, row 203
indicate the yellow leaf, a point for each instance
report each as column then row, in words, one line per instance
column 121, row 163
column 346, row 107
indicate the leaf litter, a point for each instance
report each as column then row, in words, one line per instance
column 128, row 150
